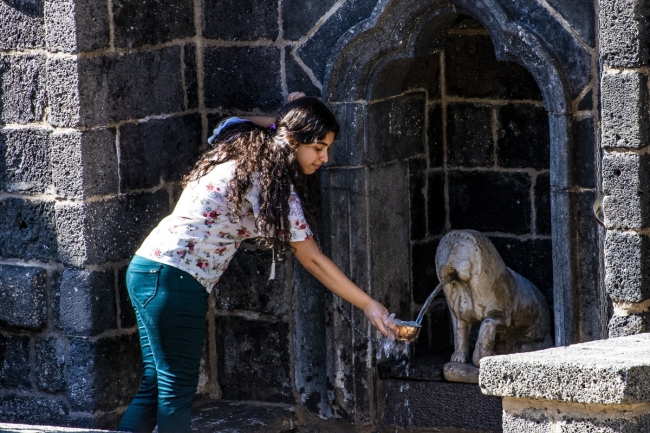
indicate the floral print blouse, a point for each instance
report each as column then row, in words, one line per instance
column 201, row 235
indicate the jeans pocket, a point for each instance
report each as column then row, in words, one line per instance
column 142, row 282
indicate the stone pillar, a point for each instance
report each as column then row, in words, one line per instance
column 624, row 37
column 598, row 386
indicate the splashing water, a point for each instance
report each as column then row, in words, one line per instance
column 433, row 294
column 392, row 347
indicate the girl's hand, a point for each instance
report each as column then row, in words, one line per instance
column 295, row 95
column 379, row 317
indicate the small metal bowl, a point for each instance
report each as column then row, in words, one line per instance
column 407, row 331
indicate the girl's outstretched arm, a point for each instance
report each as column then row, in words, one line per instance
column 321, row 267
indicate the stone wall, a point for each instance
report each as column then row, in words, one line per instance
column 624, row 32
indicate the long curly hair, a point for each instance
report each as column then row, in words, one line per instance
column 268, row 157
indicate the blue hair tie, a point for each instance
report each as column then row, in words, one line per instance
column 224, row 124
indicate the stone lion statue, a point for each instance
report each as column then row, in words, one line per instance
column 512, row 312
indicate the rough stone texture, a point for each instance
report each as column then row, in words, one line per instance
column 624, row 33
column 436, row 203
column 131, row 86
column 63, row 92
column 490, row 201
column 76, row 25
column 474, row 72
column 442, row 405
column 469, row 135
column 22, row 88
column 25, row 408
column 621, row 326
column 24, row 297
column 14, row 361
column 409, row 74
column 84, row 164
column 191, row 76
column 613, row 371
column 586, row 152
column 625, row 110
column 316, row 50
column 423, row 269
column 92, row 382
column 25, row 160
column 417, row 198
column 395, row 128
column 158, row 150
column 626, row 183
column 253, row 360
column 152, row 22
column 49, row 368
column 300, row 16
column 246, row 285
column 22, row 25
column 112, row 229
column 87, row 305
column 246, row 20
column 349, row 148
column 523, row 137
column 628, row 267
column 127, row 313
column 27, row 230
column 232, row 78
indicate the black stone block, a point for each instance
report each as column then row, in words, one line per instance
column 87, row 304
column 22, row 25
column 191, row 76
column 131, row 86
column 32, row 409
column 158, row 149
column 116, row 228
column 49, row 369
column 524, row 139
column 77, row 26
column 14, row 361
column 580, row 14
column 232, row 78
column 316, row 50
column 490, row 201
column 127, row 313
column 634, row 324
column 297, row 78
column 25, row 160
column 27, row 230
column 417, row 183
column 245, row 20
column 626, row 258
column 300, row 16
column 423, row 269
column 436, row 202
column 623, row 33
column 625, row 119
column 103, row 374
column 626, row 182
column 473, row 71
column 424, row 73
column 469, row 135
column 532, row 259
column 584, row 153
column 395, row 128
column 254, row 360
column 441, row 405
column 543, row 204
column 572, row 55
column 465, row 22
column 23, row 97
column 23, row 291
column 246, row 286
column 152, row 22
column 587, row 102
column 435, row 136
column 424, row 368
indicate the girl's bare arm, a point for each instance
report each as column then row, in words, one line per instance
column 321, row 267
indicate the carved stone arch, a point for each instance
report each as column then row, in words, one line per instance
column 391, row 33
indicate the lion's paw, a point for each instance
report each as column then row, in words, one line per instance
column 459, row 357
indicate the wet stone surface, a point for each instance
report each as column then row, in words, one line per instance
column 425, row 368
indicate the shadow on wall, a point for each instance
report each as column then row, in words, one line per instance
column 33, row 8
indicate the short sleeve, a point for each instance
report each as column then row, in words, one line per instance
column 299, row 229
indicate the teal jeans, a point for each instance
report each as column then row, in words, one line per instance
column 170, row 307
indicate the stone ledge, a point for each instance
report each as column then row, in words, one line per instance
column 614, row 371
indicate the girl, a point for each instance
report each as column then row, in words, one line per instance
column 254, row 183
